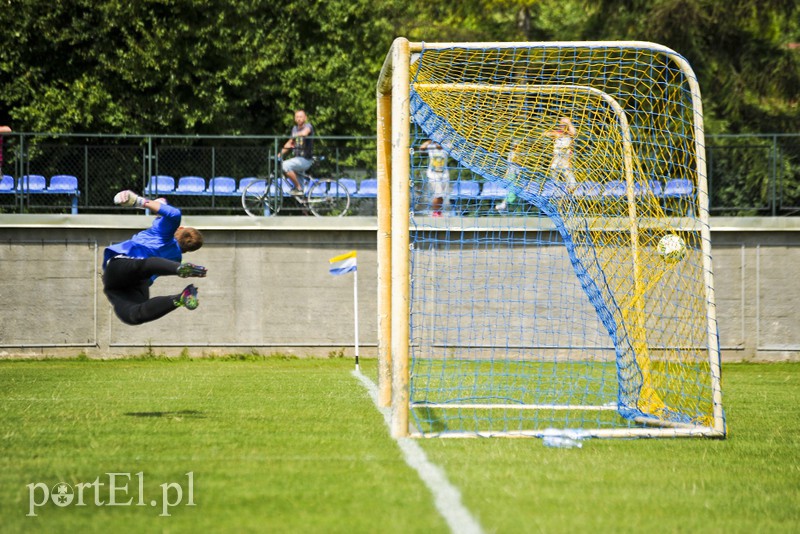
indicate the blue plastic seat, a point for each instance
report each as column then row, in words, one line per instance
column 318, row 191
column 7, row 184
column 677, row 192
column 465, row 190
column 33, row 183
column 63, row 183
column 244, row 182
column 287, row 186
column 368, row 188
column 493, row 191
column 160, row 184
column 651, row 187
column 589, row 189
column 615, row 189
column 678, row 188
column 191, row 185
column 553, row 189
column 221, row 185
column 347, row 183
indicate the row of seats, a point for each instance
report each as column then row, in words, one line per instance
column 36, row 183
column 227, row 186
column 60, row 184
column 676, row 188
column 368, row 188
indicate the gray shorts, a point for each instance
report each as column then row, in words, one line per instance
column 297, row 164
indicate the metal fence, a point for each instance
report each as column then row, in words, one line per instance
column 101, row 165
column 80, row 173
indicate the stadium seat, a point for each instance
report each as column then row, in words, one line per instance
column 66, row 184
column 33, row 183
column 678, row 188
column 159, row 185
column 286, row 187
column 221, row 185
column 244, row 182
column 589, row 190
column 652, row 186
column 615, row 190
column 63, row 183
column 318, row 191
column 349, row 184
column 493, row 191
column 676, row 191
column 465, row 190
column 7, row 184
column 367, row 189
column 191, row 185
column 553, row 189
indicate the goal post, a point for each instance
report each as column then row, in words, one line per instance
column 558, row 310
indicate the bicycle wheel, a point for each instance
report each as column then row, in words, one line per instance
column 328, row 198
column 256, row 200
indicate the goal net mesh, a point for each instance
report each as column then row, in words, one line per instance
column 539, row 298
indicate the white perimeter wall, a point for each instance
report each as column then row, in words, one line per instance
column 269, row 291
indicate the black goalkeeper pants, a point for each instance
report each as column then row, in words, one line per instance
column 126, row 283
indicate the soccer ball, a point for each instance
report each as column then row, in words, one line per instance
column 671, row 248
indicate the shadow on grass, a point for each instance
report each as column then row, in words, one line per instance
column 196, row 414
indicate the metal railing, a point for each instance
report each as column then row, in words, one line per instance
column 106, row 164
column 748, row 174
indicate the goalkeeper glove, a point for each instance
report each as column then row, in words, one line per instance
column 129, row 198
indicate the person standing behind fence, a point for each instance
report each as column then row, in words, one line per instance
column 513, row 170
column 561, row 164
column 3, row 129
column 438, row 175
column 130, row 267
column 302, row 146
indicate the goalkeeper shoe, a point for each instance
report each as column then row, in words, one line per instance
column 188, row 298
column 185, row 270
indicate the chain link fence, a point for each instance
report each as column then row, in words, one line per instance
column 748, row 175
column 48, row 173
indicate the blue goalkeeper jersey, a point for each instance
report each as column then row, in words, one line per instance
column 158, row 240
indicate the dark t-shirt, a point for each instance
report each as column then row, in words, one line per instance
column 303, row 144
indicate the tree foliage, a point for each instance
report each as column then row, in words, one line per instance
column 242, row 66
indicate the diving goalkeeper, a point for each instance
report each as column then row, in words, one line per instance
column 130, row 267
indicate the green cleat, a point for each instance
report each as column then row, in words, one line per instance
column 185, row 270
column 188, row 298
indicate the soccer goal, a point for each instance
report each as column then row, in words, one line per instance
column 568, row 284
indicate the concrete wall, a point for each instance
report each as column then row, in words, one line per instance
column 269, row 290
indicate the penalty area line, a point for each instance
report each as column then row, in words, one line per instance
column 447, row 498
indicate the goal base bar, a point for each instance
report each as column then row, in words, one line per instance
column 678, row 432
column 570, row 407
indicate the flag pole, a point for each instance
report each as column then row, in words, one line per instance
column 343, row 264
column 355, row 312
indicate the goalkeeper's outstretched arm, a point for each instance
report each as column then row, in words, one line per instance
column 129, row 198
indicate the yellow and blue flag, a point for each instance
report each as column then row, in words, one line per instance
column 344, row 263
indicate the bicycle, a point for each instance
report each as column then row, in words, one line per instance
column 324, row 197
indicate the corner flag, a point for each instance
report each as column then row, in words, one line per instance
column 343, row 263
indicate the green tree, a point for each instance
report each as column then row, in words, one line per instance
column 189, row 66
column 242, row 66
column 740, row 52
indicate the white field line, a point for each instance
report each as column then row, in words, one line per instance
column 447, row 498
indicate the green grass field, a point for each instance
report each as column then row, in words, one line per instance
column 288, row 445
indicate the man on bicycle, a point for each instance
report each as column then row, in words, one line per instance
column 302, row 144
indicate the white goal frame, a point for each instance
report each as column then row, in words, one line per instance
column 394, row 177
